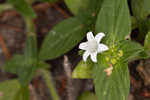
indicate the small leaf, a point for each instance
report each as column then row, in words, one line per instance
column 23, row 8
column 113, row 87
column 62, row 38
column 131, row 50
column 147, row 42
column 87, row 96
column 83, row 70
column 114, row 20
column 140, row 8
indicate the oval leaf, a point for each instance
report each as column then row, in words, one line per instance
column 114, row 20
column 62, row 38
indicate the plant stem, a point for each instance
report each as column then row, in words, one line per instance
column 48, row 79
column 30, row 30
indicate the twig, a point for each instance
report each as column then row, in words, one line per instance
column 4, row 48
column 34, row 95
column 67, row 69
column 59, row 9
column 17, row 29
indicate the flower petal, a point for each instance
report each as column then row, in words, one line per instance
column 94, row 57
column 90, row 36
column 83, row 46
column 99, row 36
column 85, row 55
column 102, row 48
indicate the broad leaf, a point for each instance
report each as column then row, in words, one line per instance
column 62, row 38
column 23, row 8
column 83, row 70
column 87, row 96
column 113, row 87
column 12, row 90
column 114, row 20
column 140, row 8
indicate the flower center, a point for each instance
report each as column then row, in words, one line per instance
column 92, row 46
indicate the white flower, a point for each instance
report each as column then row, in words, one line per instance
column 93, row 46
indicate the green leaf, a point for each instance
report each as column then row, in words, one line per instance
column 83, row 70
column 13, row 65
column 23, row 8
column 114, row 20
column 131, row 50
column 20, row 66
column 62, row 38
column 87, row 96
column 84, row 7
column 113, row 87
column 140, row 8
column 147, row 41
column 12, row 90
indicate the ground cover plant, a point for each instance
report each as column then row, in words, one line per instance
column 100, row 29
